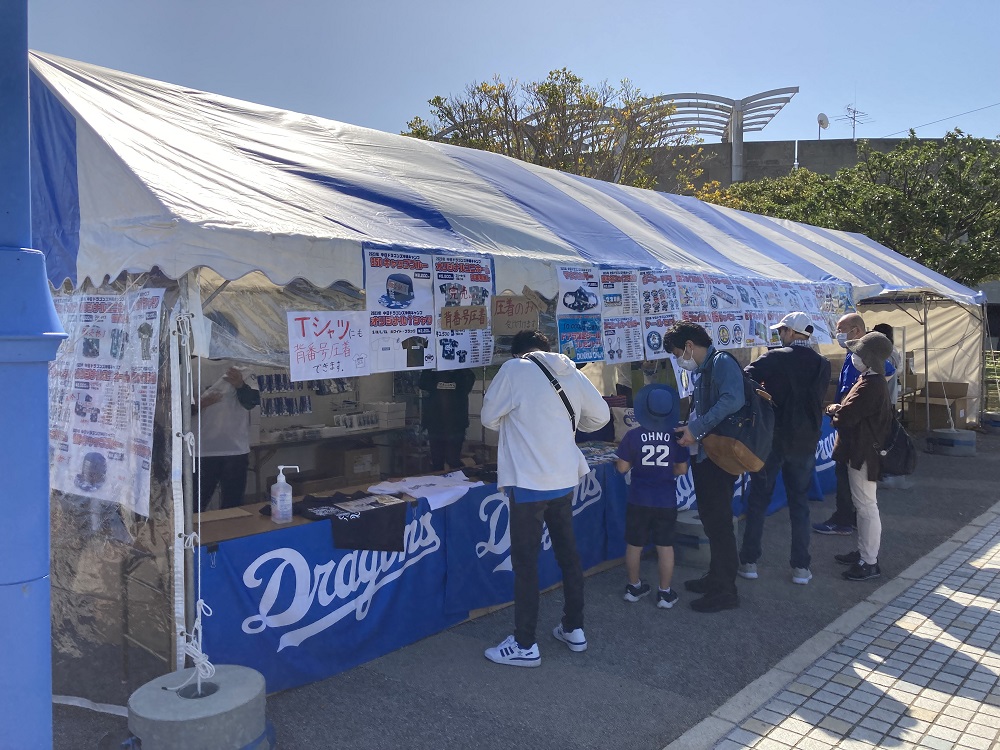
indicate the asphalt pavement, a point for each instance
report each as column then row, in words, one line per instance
column 653, row 678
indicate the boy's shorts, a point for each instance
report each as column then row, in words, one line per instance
column 645, row 525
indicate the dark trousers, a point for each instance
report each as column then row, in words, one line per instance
column 796, row 474
column 713, row 489
column 845, row 514
column 525, row 539
column 230, row 472
column 446, row 449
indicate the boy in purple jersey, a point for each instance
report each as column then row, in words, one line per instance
column 652, row 453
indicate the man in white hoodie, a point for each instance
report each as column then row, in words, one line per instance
column 538, row 467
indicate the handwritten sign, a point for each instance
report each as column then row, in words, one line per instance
column 328, row 345
column 463, row 318
column 512, row 314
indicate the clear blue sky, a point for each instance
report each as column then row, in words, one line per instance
column 376, row 62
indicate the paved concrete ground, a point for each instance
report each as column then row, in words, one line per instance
column 655, row 677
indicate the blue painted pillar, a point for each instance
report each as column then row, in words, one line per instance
column 29, row 337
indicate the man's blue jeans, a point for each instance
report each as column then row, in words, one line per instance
column 796, row 473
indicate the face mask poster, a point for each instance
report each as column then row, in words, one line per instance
column 103, row 396
column 399, row 293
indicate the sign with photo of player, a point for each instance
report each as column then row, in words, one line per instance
column 400, row 309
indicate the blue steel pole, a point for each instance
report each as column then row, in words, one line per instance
column 30, row 334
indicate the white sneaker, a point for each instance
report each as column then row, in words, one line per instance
column 801, row 576
column 747, row 570
column 508, row 652
column 575, row 640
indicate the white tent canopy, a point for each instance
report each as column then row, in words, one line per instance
column 131, row 173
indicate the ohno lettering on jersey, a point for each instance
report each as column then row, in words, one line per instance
column 648, row 437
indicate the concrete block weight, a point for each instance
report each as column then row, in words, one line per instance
column 229, row 713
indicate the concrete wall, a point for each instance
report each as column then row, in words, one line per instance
column 770, row 159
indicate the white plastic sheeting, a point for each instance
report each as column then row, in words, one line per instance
column 131, row 173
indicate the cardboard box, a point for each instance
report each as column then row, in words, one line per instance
column 916, row 413
column 393, row 423
column 387, row 409
column 947, row 389
column 360, row 464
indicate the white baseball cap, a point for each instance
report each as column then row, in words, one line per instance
column 796, row 321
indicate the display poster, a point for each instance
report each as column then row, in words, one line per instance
column 658, row 290
column 513, row 313
column 620, row 292
column 580, row 337
column 791, row 297
column 654, row 329
column 328, row 344
column 578, row 313
column 721, row 292
column 810, row 294
column 103, row 396
column 463, row 291
column 730, row 328
column 623, row 340
column 400, row 309
column 755, row 327
column 702, row 318
column 769, row 293
column 692, row 291
column 749, row 296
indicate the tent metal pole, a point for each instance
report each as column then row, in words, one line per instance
column 30, row 336
column 187, row 399
column 927, row 372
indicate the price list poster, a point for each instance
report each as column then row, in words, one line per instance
column 400, row 310
column 622, row 325
column 578, row 313
column 463, row 290
column 660, row 306
column 104, row 382
column 328, row 344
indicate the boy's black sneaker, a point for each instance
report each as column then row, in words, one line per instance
column 666, row 599
column 862, row 571
column 851, row 558
column 635, row 593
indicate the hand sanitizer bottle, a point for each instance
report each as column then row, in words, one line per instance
column 281, row 497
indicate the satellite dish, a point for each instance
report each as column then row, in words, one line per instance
column 823, row 120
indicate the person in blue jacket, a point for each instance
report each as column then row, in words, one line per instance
column 715, row 398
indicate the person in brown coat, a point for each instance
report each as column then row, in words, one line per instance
column 863, row 420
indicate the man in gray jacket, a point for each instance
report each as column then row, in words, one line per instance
column 537, row 401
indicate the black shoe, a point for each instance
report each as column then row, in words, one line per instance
column 716, row 602
column 699, row 585
column 851, row 558
column 635, row 593
column 862, row 571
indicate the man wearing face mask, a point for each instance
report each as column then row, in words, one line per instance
column 843, row 522
column 715, row 398
column 796, row 376
column 863, row 420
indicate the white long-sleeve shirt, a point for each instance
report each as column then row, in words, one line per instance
column 537, row 448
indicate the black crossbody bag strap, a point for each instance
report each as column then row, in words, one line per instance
column 559, row 389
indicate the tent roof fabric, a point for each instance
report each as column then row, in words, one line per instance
column 131, row 173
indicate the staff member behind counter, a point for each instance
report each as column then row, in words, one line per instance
column 224, row 444
column 446, row 414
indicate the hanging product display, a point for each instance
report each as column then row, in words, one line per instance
column 463, row 291
column 400, row 309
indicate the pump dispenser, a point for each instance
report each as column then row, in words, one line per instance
column 281, row 497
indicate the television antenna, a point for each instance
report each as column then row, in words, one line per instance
column 856, row 117
column 824, row 122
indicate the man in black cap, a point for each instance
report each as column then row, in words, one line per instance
column 796, row 376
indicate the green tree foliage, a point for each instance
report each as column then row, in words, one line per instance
column 937, row 202
column 611, row 133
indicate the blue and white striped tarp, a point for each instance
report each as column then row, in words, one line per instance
column 131, row 173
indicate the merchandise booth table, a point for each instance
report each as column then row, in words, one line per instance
column 289, row 604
